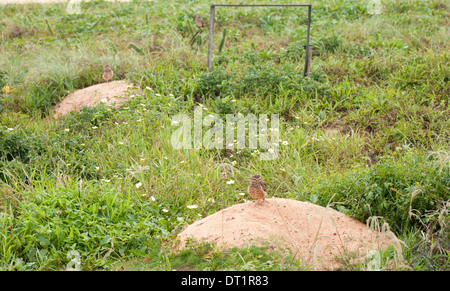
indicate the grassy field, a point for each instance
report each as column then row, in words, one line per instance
column 367, row 132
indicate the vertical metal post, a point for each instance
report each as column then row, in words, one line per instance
column 211, row 36
column 308, row 54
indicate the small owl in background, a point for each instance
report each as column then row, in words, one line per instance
column 257, row 188
column 199, row 21
column 107, row 73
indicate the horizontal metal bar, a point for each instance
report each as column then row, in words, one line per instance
column 260, row 5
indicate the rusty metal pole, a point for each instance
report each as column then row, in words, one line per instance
column 308, row 54
column 211, row 36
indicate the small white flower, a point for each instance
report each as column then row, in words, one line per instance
column 233, row 163
column 121, row 143
column 285, row 142
column 153, row 198
column 67, row 130
column 180, row 219
column 192, row 206
column 10, row 129
column 156, row 94
column 211, row 200
column 94, row 127
column 242, row 194
column 138, row 185
column 164, row 210
column 230, row 182
column 97, row 168
column 270, row 151
column 105, row 180
column 104, row 100
column 148, row 88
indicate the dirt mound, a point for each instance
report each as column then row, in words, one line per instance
column 316, row 234
column 108, row 93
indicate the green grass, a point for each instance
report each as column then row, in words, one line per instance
column 368, row 131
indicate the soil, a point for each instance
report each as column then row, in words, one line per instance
column 114, row 93
column 319, row 236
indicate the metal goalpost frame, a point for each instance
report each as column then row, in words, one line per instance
column 211, row 29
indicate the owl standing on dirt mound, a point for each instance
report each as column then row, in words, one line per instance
column 107, row 73
column 199, row 21
column 257, row 188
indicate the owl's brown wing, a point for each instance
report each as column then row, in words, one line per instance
column 264, row 186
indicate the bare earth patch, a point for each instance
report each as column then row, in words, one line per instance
column 109, row 93
column 316, row 234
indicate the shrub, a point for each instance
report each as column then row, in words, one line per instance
column 261, row 80
column 99, row 225
column 13, row 145
column 402, row 191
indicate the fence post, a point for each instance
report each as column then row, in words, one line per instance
column 308, row 54
column 211, row 36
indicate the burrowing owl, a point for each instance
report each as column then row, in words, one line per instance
column 107, row 73
column 257, row 188
column 199, row 21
